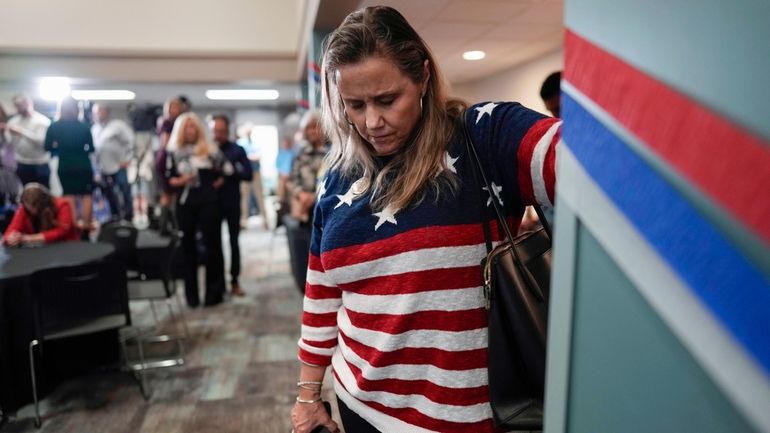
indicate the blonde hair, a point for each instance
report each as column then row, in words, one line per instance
column 418, row 166
column 177, row 140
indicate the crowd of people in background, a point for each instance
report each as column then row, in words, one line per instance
column 191, row 178
column 61, row 179
column 188, row 177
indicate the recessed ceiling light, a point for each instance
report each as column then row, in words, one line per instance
column 54, row 88
column 103, row 95
column 242, row 94
column 474, row 55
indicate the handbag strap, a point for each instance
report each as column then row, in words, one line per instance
column 480, row 171
column 543, row 221
column 477, row 184
column 498, row 211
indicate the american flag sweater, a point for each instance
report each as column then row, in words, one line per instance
column 394, row 299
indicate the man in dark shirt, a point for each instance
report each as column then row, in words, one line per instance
column 230, row 193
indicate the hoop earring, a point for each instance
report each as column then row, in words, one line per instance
column 421, row 98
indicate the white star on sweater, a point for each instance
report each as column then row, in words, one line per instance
column 322, row 188
column 386, row 215
column 450, row 163
column 496, row 191
column 347, row 198
column 355, row 190
column 485, row 109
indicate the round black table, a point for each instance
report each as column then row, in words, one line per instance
column 23, row 261
column 16, row 312
column 150, row 240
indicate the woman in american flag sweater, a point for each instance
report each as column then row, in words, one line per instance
column 394, row 297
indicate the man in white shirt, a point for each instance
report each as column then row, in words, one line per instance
column 114, row 145
column 26, row 133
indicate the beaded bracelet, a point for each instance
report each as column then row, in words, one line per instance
column 315, row 400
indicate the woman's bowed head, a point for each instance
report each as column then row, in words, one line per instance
column 40, row 219
column 383, row 96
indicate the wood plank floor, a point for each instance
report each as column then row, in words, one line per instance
column 240, row 369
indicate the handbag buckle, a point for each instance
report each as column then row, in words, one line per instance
column 487, row 275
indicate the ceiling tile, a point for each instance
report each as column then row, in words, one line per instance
column 542, row 13
column 521, row 31
column 417, row 12
column 455, row 31
column 483, row 11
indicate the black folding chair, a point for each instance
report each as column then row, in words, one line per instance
column 79, row 300
column 122, row 235
column 156, row 281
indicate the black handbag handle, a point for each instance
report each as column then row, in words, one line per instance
column 500, row 216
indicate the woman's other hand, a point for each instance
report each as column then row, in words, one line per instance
column 13, row 239
column 307, row 416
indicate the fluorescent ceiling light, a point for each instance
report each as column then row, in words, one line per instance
column 474, row 55
column 242, row 94
column 103, row 95
column 54, row 88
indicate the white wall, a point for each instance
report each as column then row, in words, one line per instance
column 521, row 84
column 148, row 26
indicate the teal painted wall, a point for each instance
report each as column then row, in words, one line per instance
column 628, row 372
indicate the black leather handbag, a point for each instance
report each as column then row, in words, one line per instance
column 516, row 276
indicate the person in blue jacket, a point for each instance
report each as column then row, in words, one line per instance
column 230, row 193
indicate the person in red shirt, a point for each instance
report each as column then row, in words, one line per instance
column 41, row 219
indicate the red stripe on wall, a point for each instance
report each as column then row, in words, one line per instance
column 723, row 160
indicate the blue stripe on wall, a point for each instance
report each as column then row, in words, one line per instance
column 734, row 291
